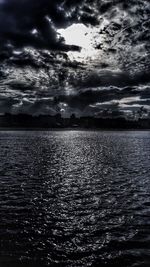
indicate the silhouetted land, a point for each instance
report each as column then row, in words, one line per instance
column 48, row 122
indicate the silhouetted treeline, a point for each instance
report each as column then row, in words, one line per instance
column 46, row 121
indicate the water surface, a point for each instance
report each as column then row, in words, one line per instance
column 74, row 198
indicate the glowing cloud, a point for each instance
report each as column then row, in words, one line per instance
column 82, row 36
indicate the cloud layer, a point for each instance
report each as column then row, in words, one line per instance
column 41, row 74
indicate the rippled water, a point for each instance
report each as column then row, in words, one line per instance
column 74, row 198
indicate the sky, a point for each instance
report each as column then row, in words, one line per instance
column 88, row 57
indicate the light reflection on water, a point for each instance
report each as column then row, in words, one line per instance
column 74, row 198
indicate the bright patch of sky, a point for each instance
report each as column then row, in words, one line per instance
column 82, row 36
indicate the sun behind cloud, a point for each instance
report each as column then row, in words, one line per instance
column 82, row 36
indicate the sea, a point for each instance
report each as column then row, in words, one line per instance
column 74, row 198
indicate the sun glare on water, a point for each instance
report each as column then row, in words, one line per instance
column 82, row 36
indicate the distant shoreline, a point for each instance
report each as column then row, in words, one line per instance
column 57, row 122
column 70, row 129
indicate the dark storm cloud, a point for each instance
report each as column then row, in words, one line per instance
column 36, row 90
column 7, row 103
column 127, row 33
column 33, row 100
column 42, row 59
column 43, row 78
column 110, row 78
column 34, row 23
column 88, row 97
column 20, row 19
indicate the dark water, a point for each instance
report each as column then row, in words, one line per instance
column 74, row 198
